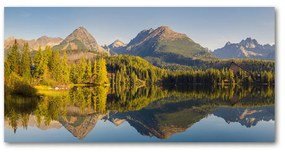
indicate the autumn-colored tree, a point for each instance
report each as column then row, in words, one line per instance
column 95, row 72
column 81, row 69
column 88, row 73
column 102, row 78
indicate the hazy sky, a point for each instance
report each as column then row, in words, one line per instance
column 211, row 27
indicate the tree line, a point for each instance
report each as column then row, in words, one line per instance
column 224, row 76
column 51, row 67
column 132, row 70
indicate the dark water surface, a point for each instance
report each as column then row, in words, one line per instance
column 147, row 114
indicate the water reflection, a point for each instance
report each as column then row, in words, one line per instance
column 151, row 111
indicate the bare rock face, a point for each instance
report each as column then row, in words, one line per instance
column 80, row 40
column 163, row 41
column 117, row 44
column 248, row 48
column 116, row 47
column 164, row 45
column 82, row 35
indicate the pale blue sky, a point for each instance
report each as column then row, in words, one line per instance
column 211, row 27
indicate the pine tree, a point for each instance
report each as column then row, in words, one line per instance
column 38, row 64
column 14, row 58
column 88, row 73
column 81, row 69
column 65, row 69
column 95, row 72
column 102, row 78
column 48, row 56
column 26, row 63
column 73, row 74
column 56, row 67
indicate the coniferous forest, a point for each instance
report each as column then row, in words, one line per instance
column 24, row 70
column 139, row 75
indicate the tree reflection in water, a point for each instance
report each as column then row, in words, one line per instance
column 152, row 111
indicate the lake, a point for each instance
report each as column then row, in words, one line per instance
column 145, row 114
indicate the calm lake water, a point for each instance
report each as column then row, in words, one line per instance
column 147, row 114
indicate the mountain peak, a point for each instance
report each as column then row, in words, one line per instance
column 43, row 37
column 249, row 43
column 140, row 37
column 81, row 28
column 246, row 48
column 164, row 28
column 163, row 40
column 117, row 43
column 228, row 43
column 80, row 39
column 166, row 33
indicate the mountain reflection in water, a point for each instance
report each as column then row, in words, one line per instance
column 151, row 111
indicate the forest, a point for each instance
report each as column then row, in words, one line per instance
column 24, row 70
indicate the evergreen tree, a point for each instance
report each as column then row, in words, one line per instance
column 26, row 63
column 102, row 78
column 56, row 67
column 81, row 69
column 88, row 73
column 95, row 72
column 73, row 74
column 48, row 56
column 14, row 59
column 65, row 69
column 38, row 64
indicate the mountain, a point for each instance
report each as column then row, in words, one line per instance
column 117, row 44
column 164, row 47
column 117, row 47
column 162, row 41
column 80, row 40
column 34, row 44
column 248, row 48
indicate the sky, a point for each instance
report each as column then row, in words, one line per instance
column 211, row 27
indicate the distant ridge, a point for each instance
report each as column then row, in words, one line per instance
column 34, row 44
column 248, row 48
